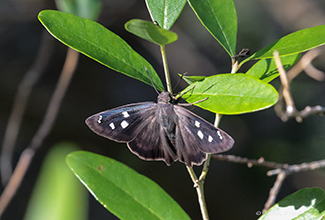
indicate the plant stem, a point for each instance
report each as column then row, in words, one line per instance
column 235, row 66
column 207, row 162
column 42, row 132
column 198, row 184
column 167, row 75
column 23, row 93
column 205, row 168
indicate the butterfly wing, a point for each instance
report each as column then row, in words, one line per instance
column 197, row 133
column 187, row 150
column 186, row 136
column 152, row 143
column 122, row 124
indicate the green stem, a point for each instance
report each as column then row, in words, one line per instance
column 235, row 66
column 217, row 120
column 167, row 75
column 207, row 162
column 198, row 184
column 205, row 168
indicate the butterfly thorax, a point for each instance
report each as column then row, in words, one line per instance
column 165, row 112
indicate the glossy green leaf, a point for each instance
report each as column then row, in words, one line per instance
column 266, row 69
column 121, row 190
column 293, row 43
column 58, row 194
column 220, row 19
column 192, row 79
column 165, row 12
column 231, row 94
column 150, row 32
column 89, row 9
column 98, row 43
column 305, row 204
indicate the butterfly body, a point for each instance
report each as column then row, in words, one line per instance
column 161, row 131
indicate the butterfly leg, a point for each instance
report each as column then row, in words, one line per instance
column 190, row 104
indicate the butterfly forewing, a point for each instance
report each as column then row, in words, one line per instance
column 122, row 124
column 202, row 134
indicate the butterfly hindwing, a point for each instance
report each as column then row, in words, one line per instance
column 122, row 124
column 152, row 143
column 188, row 152
column 201, row 134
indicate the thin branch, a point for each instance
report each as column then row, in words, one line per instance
column 198, row 185
column 24, row 89
column 284, row 91
column 298, row 168
column 274, row 191
column 282, row 170
column 308, row 111
column 43, row 131
column 303, row 63
column 250, row 162
column 166, row 69
column 283, row 173
column 285, row 84
column 314, row 73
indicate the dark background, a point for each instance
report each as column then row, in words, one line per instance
column 233, row 191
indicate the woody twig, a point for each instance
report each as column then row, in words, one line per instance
column 282, row 170
column 285, row 98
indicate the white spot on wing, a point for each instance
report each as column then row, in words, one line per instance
column 125, row 114
column 220, row 136
column 210, row 139
column 124, row 124
column 200, row 134
column 112, row 126
column 197, row 124
column 100, row 119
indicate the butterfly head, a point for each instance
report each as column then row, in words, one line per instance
column 164, row 98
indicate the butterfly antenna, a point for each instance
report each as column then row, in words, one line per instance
column 190, row 90
column 179, row 79
column 153, row 85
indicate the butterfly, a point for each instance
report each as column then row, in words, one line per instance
column 161, row 131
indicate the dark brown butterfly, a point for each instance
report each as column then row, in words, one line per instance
column 161, row 131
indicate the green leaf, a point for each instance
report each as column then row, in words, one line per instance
column 100, row 44
column 231, row 94
column 89, row 9
column 293, row 43
column 220, row 19
column 57, row 194
column 192, row 79
column 165, row 12
column 150, row 32
column 122, row 190
column 266, row 69
column 308, row 203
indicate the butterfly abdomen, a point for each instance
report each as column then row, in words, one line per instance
column 168, row 120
